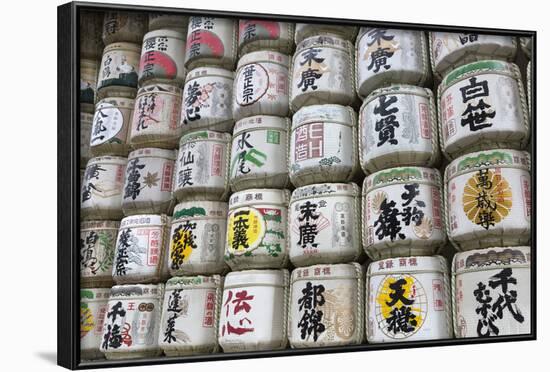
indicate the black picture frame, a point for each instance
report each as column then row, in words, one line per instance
column 68, row 166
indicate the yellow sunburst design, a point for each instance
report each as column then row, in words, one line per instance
column 245, row 230
column 384, row 297
column 86, row 321
column 181, row 240
column 487, row 193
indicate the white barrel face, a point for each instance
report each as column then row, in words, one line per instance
column 97, row 249
column 326, row 306
column 324, row 224
column 489, row 199
column 492, row 292
column 190, row 315
column 397, row 127
column 131, row 326
column 483, row 106
column 118, row 71
column 387, row 56
column 408, row 299
column 211, row 41
column 111, row 126
column 162, row 57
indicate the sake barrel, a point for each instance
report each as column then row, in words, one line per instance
column 91, row 27
column 305, row 30
column 148, row 181
column 211, row 41
column 175, row 22
column 398, row 127
column 162, row 57
column 389, row 56
column 202, row 166
column 402, row 213
column 257, row 236
column 156, row 119
column 140, row 249
column 86, row 123
column 327, row 306
column 325, row 224
column 93, row 309
column 118, row 71
column 450, row 50
column 488, row 196
column 124, row 26
column 111, row 126
column 132, row 323
column 197, row 238
column 492, row 292
column 258, row 34
column 323, row 145
column 259, row 153
column 261, row 85
column 526, row 45
column 207, row 100
column 253, row 312
column 482, row 106
column 408, row 299
column 322, row 72
column 101, row 192
column 88, row 84
column 97, row 251
column 190, row 313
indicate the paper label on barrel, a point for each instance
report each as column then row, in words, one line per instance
column 488, row 199
column 403, row 211
column 201, row 164
column 156, row 112
column 396, row 123
column 196, row 241
column 321, row 144
column 209, row 38
column 494, row 301
column 131, row 325
column 107, row 124
column 381, row 50
column 255, row 29
column 138, row 251
column 487, row 104
column 162, row 57
column 188, row 318
column 258, row 153
column 97, row 249
column 119, row 67
column 206, row 100
column 148, row 179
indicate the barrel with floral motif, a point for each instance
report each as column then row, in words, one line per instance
column 259, row 34
column 202, row 166
column 162, row 57
column 305, row 30
column 488, row 195
column 124, row 26
column 257, row 230
column 197, row 238
column 93, row 311
column 156, row 119
column 450, row 50
column 88, row 84
column 261, row 85
column 118, row 70
column 207, row 100
column 325, row 224
column 97, row 251
column 190, row 314
column 322, row 72
column 398, row 127
column 323, row 145
column 91, row 26
column 132, row 324
column 140, row 249
column 387, row 56
column 482, row 106
column 259, row 153
column 211, row 41
column 492, row 292
column 148, row 181
column 111, row 126
column 86, row 124
column 402, row 213
column 253, row 314
column 408, row 299
column 327, row 306
column 158, row 21
column 101, row 191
